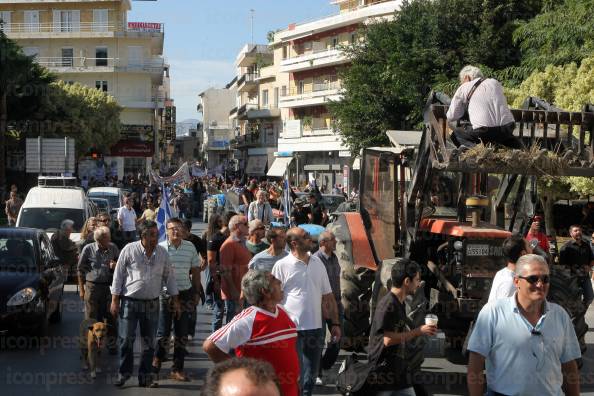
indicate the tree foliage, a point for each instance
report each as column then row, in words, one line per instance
column 86, row 114
column 563, row 34
column 422, row 48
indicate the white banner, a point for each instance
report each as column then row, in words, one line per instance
column 180, row 176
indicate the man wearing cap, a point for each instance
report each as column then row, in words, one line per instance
column 64, row 248
column 299, row 214
column 534, row 233
column 316, row 210
column 254, row 243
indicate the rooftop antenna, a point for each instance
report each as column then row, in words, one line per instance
column 252, row 23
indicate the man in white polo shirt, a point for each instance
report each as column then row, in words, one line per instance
column 307, row 297
column 185, row 262
column 127, row 221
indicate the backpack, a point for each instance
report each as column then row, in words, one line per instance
column 352, row 376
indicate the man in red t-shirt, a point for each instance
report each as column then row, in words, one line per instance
column 234, row 258
column 263, row 331
column 535, row 233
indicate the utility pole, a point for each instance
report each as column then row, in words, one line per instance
column 252, row 23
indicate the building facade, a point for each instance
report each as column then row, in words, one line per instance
column 310, row 55
column 91, row 42
column 217, row 133
column 257, row 116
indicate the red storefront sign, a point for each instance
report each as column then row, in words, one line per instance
column 128, row 148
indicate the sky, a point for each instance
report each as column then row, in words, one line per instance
column 203, row 37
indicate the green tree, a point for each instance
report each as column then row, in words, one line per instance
column 86, row 114
column 21, row 81
column 563, row 34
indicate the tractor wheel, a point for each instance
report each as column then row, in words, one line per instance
column 565, row 290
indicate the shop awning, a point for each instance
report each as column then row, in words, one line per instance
column 256, row 165
column 279, row 166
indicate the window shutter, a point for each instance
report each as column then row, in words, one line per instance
column 76, row 20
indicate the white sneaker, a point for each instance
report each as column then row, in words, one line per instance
column 319, row 381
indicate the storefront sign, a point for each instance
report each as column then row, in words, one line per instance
column 151, row 27
column 137, row 132
column 129, row 148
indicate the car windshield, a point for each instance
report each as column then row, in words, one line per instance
column 16, row 255
column 113, row 199
column 46, row 218
column 101, row 204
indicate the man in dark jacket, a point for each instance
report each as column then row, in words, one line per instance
column 64, row 248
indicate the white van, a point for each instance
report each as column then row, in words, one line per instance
column 46, row 207
column 114, row 195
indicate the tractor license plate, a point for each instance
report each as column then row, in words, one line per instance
column 477, row 250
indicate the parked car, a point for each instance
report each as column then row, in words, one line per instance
column 46, row 206
column 31, row 281
column 114, row 195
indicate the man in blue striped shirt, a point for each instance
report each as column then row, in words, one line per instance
column 185, row 261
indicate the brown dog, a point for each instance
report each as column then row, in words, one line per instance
column 92, row 336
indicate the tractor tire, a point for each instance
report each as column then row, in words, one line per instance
column 565, row 290
column 355, row 289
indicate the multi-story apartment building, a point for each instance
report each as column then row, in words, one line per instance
column 310, row 54
column 256, row 117
column 93, row 43
column 215, row 106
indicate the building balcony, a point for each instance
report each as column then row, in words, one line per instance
column 254, row 139
column 84, row 30
column 317, row 94
column 250, row 54
column 264, row 111
column 247, row 82
column 139, row 102
column 313, row 60
column 242, row 111
column 356, row 15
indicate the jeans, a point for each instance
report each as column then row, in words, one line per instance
column 129, row 236
column 180, row 327
column 401, row 392
column 135, row 313
column 588, row 293
column 222, row 308
column 309, row 349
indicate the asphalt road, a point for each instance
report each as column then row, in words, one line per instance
column 52, row 366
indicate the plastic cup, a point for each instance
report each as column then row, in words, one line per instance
column 431, row 320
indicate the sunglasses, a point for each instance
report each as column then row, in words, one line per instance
column 533, row 279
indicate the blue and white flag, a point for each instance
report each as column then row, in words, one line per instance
column 163, row 214
column 287, row 203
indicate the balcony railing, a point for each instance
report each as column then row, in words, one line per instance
column 312, row 88
column 84, row 27
column 152, row 65
column 247, row 77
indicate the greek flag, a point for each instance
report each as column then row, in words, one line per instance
column 163, row 214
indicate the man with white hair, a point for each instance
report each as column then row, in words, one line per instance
column 528, row 344
column 260, row 209
column 481, row 101
column 95, row 272
column 64, row 248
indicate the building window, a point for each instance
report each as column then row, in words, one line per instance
column 284, row 90
column 334, row 42
column 100, row 20
column 134, row 165
column 5, row 21
column 101, row 56
column 285, row 52
column 32, row 21
column 300, row 87
column 67, row 57
column 67, row 21
column 101, row 85
column 265, row 98
column 353, row 38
